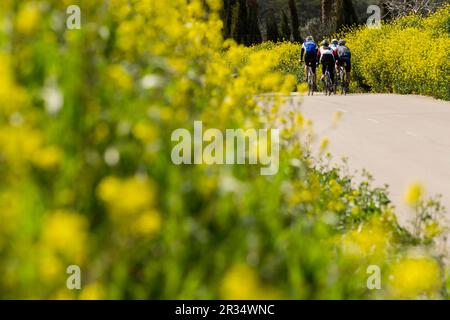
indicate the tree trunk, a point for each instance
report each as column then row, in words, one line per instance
column 272, row 27
column 285, row 28
column 243, row 22
column 253, row 25
column 295, row 22
column 345, row 14
column 327, row 11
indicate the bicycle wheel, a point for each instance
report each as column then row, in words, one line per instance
column 310, row 82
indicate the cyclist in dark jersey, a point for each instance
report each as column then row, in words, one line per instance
column 327, row 57
column 344, row 58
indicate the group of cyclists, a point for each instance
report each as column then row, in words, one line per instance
column 332, row 56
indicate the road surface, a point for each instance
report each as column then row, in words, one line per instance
column 399, row 139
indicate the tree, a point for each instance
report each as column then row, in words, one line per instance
column 285, row 28
column 295, row 22
column 240, row 21
column 345, row 13
column 243, row 33
column 271, row 27
column 227, row 16
column 399, row 8
column 253, row 25
column 327, row 11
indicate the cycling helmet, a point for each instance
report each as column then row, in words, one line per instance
column 310, row 38
column 342, row 42
column 335, row 41
column 325, row 43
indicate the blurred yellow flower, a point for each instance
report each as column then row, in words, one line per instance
column 66, row 233
column 411, row 278
column 432, row 229
column 93, row 291
column 370, row 241
column 324, row 145
column 144, row 132
column 28, row 18
column 64, row 294
column 47, row 158
column 148, row 223
column 356, row 210
column 119, row 77
column 242, row 283
column 127, row 196
column 414, row 194
column 19, row 144
column 50, row 266
column 336, row 117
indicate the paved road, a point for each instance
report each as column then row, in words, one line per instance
column 399, row 139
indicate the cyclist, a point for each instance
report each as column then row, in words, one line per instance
column 309, row 55
column 328, row 60
column 344, row 58
column 334, row 45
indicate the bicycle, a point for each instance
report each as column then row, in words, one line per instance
column 311, row 81
column 329, row 88
column 343, row 80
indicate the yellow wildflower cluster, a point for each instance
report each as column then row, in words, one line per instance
column 382, row 62
column 131, row 200
column 414, row 194
column 415, row 277
column 242, row 283
column 370, row 241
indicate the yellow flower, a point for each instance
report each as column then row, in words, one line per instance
column 432, row 229
column 144, row 132
column 12, row 97
column 93, row 291
column 335, row 188
column 414, row 194
column 65, row 232
column 28, row 19
column 47, row 158
column 356, row 211
column 148, row 223
column 337, row 116
column 302, row 88
column 50, row 267
column 19, row 144
column 64, row 294
column 411, row 278
column 242, row 283
column 370, row 241
column 324, row 145
column 127, row 196
column 119, row 77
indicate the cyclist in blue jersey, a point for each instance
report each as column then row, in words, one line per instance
column 309, row 55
